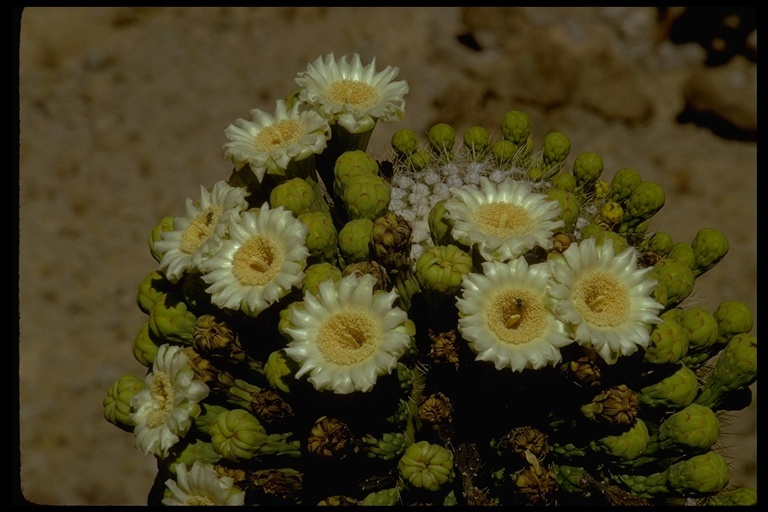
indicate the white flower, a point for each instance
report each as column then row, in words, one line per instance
column 164, row 408
column 347, row 335
column 269, row 143
column 202, row 485
column 505, row 315
column 197, row 234
column 353, row 95
column 505, row 220
column 263, row 258
column 605, row 299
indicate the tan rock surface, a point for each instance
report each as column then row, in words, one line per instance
column 123, row 113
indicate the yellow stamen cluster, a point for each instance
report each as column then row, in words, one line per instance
column 348, row 337
column 354, row 93
column 503, row 219
column 200, row 229
column 602, row 299
column 516, row 316
column 163, row 395
column 257, row 261
column 279, row 135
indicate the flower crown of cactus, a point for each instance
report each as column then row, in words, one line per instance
column 456, row 321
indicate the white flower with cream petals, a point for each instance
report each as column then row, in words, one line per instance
column 201, row 485
column 353, row 95
column 347, row 335
column 164, row 408
column 262, row 260
column 270, row 142
column 504, row 221
column 197, row 234
column 505, row 316
column 604, row 298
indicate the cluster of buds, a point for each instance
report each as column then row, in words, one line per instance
column 462, row 321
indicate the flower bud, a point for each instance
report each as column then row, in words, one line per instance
column 626, row 446
column 442, row 138
column 707, row 473
column 587, row 168
column 441, row 268
column 170, row 319
column 145, row 346
column 426, row 466
column 355, row 239
column 504, row 152
column 674, row 391
column 477, row 140
column 692, row 429
column 733, row 317
column 555, row 149
column 669, row 342
column 516, row 126
column 405, row 141
column 165, row 224
column 624, row 182
column 735, row 369
column 709, row 247
column 366, row 196
column 296, row 195
column 322, row 237
column 117, row 403
column 387, row 447
column 153, row 284
column 316, row 274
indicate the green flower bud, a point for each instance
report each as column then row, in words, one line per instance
column 117, row 403
column 624, row 182
column 564, row 181
column 740, row 496
column 555, row 149
column 188, row 453
column 683, row 252
column 442, row 137
column 419, row 160
column 353, row 163
column 707, row 473
column 611, row 213
column 385, row 497
column 145, row 346
column 701, row 326
column 367, row 196
column 619, row 242
column 504, row 151
column 317, row 273
column 285, row 318
column 626, row 446
column 355, row 239
column 477, row 140
column 170, row 320
column 441, row 268
column 568, row 450
column 166, row 224
column 675, row 282
column 277, row 368
column 426, row 466
column 736, row 368
column 391, row 241
column 591, row 231
column 322, row 237
column 569, row 207
column 692, row 429
column 516, row 126
column 387, row 447
column 669, row 342
column 238, row 435
column 153, row 284
column 602, row 189
column 296, row 195
column 587, row 168
column 645, row 200
column 676, row 391
column 733, row 317
column 644, row 486
column 405, row 141
column 209, row 413
column 661, row 243
column 709, row 247
column 406, row 286
column 439, row 224
column 569, row 478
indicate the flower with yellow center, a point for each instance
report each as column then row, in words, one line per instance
column 197, row 234
column 263, row 258
column 201, row 485
column 270, row 142
column 164, row 408
column 353, row 95
column 505, row 316
column 348, row 334
column 604, row 298
column 504, row 221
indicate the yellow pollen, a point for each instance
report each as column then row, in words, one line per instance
column 162, row 395
column 200, row 229
column 602, row 299
column 348, row 337
column 516, row 316
column 279, row 135
column 352, row 92
column 198, row 500
column 503, row 220
column 257, row 261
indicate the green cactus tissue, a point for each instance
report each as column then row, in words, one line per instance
column 473, row 318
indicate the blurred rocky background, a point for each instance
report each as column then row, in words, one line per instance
column 123, row 113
